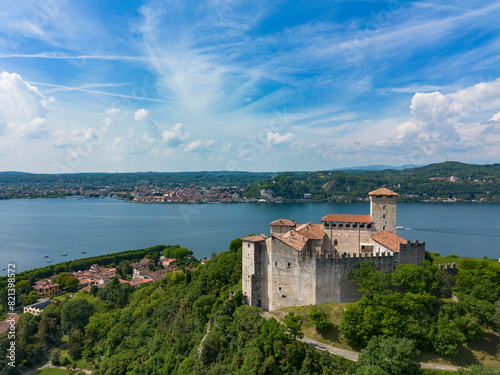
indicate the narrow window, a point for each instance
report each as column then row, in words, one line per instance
column 288, row 265
column 279, row 288
column 383, row 216
column 276, row 263
column 335, row 242
column 283, row 296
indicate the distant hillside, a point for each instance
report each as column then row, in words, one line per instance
column 472, row 182
column 204, row 179
column 378, row 167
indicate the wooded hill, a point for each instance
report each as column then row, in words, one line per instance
column 475, row 182
column 162, row 328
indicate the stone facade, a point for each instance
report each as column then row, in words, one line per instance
column 309, row 263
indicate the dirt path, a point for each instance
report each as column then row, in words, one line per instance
column 352, row 355
column 29, row 372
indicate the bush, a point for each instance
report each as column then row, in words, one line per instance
column 55, row 357
column 318, row 318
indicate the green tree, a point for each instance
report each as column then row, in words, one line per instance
column 75, row 314
column 68, row 283
column 445, row 337
column 318, row 318
column 496, row 316
column 292, row 323
column 392, row 356
column 55, row 357
column 369, row 278
column 235, row 245
column 75, row 344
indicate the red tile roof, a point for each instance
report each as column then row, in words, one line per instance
column 347, row 218
column 254, row 238
column 135, row 282
column 311, row 231
column 283, row 222
column 297, row 241
column 389, row 240
column 382, row 191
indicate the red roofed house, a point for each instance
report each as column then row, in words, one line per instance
column 45, row 287
column 168, row 261
column 302, row 264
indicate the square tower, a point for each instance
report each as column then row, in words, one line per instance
column 384, row 209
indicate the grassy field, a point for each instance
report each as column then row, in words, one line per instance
column 51, row 371
column 485, row 351
column 443, row 259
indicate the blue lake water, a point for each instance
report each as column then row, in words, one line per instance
column 33, row 228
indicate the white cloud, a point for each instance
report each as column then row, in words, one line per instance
column 278, row 139
column 151, row 127
column 441, row 118
column 199, row 145
column 141, row 115
column 175, row 136
column 23, row 109
column 496, row 117
column 112, row 112
column 455, row 125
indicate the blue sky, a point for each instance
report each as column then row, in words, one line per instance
column 245, row 85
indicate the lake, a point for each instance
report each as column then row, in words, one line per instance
column 33, row 228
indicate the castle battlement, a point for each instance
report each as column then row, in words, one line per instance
column 302, row 264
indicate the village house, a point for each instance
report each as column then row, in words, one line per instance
column 38, row 307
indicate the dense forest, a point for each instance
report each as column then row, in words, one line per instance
column 196, row 322
column 474, row 183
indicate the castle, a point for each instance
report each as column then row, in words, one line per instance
column 303, row 264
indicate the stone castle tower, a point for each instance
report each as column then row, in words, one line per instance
column 302, row 264
column 384, row 209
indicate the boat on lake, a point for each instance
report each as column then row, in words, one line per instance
column 84, row 252
column 64, row 254
column 400, row 228
column 3, row 269
column 46, row 256
column 48, row 261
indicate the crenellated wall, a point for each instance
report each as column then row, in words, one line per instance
column 294, row 278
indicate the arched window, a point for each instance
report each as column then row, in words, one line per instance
column 335, row 242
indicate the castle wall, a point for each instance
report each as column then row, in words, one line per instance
column 327, row 288
column 292, row 276
column 280, row 230
column 412, row 252
column 349, row 238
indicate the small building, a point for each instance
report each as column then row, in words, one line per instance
column 139, row 282
column 45, row 288
column 38, row 307
column 168, row 261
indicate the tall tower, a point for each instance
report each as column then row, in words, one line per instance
column 384, row 209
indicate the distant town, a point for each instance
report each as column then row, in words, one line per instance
column 441, row 182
